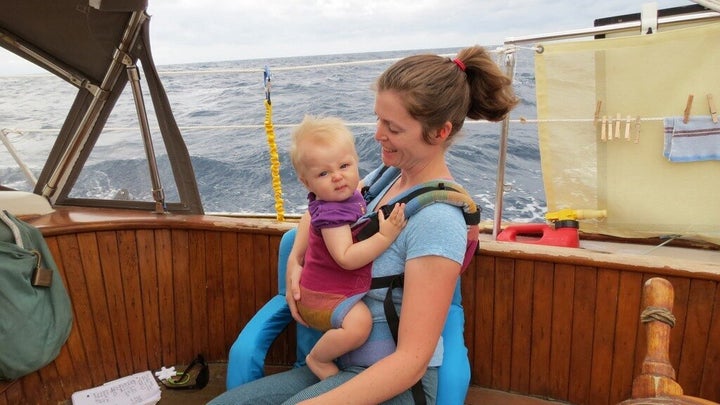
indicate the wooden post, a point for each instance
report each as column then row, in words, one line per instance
column 657, row 375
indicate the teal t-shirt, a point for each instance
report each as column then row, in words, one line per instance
column 436, row 230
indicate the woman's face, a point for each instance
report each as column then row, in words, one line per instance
column 399, row 134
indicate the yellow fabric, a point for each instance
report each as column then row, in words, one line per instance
column 649, row 77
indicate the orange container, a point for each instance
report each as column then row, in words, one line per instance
column 565, row 233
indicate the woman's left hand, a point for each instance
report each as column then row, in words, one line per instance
column 294, row 267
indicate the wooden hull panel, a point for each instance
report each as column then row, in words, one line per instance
column 151, row 290
column 152, row 296
column 563, row 329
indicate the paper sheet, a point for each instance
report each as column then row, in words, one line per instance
column 137, row 389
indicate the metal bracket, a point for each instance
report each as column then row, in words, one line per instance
column 649, row 18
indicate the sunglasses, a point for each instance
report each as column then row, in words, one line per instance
column 181, row 381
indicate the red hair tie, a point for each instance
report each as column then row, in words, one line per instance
column 460, row 64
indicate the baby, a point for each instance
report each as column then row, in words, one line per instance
column 337, row 270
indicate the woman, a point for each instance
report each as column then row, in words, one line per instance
column 421, row 104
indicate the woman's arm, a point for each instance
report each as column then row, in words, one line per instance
column 428, row 290
column 294, row 266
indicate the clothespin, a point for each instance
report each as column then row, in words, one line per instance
column 609, row 129
column 617, row 125
column 688, row 107
column 603, row 131
column 637, row 129
column 266, row 82
column 598, row 106
column 713, row 110
column 627, row 128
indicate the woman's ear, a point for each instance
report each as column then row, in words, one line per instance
column 443, row 132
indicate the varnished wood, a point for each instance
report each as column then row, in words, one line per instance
column 656, row 382
column 152, row 290
column 657, row 376
column 605, row 344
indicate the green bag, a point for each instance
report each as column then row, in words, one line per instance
column 35, row 309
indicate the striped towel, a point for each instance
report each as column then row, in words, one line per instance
column 695, row 141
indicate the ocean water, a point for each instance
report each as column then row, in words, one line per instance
column 219, row 108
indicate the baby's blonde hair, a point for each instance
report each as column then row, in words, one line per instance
column 319, row 132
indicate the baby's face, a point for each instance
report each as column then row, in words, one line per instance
column 331, row 172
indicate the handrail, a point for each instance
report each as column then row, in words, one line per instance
column 608, row 29
column 50, row 63
column 502, row 152
column 157, row 190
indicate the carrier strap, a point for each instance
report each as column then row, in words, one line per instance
column 393, row 320
column 414, row 199
column 384, row 176
column 419, row 197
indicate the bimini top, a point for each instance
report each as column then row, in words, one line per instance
column 94, row 45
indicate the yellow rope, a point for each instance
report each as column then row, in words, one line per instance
column 274, row 162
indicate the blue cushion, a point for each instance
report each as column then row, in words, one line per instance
column 246, row 359
column 454, row 374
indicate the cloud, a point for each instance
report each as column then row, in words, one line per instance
column 185, row 31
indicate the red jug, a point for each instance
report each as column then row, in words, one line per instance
column 565, row 233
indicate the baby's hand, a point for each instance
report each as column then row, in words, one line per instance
column 391, row 226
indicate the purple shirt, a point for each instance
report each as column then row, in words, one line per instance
column 325, row 285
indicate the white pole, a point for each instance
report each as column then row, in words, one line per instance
column 28, row 174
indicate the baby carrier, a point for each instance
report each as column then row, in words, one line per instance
column 418, row 197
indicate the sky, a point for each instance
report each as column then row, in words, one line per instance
column 189, row 31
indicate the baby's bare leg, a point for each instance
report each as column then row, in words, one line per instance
column 336, row 342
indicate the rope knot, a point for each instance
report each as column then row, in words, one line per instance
column 658, row 314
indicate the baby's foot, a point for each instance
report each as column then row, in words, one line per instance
column 321, row 369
